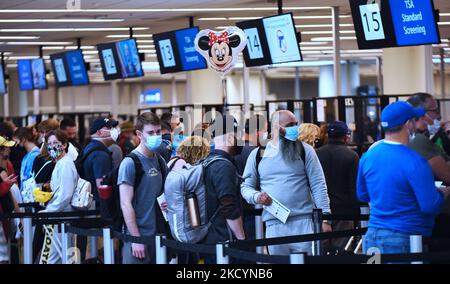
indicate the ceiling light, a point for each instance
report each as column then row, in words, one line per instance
column 52, row 47
column 313, row 43
column 147, row 51
column 313, row 26
column 18, row 37
column 67, row 20
column 144, row 41
column 317, row 48
column 90, row 52
column 39, row 42
column 146, row 46
column 70, row 30
column 127, row 36
column 444, row 23
column 331, row 39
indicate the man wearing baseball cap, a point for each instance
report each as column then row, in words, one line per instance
column 222, row 183
column 398, row 184
column 97, row 159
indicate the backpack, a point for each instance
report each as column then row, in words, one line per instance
column 178, row 186
column 79, row 162
column 82, row 198
column 110, row 210
column 29, row 185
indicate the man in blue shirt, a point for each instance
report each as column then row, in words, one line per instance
column 398, row 184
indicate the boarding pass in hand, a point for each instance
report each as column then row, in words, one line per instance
column 278, row 210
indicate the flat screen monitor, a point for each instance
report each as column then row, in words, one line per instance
column 271, row 40
column 76, row 68
column 39, row 74
column 176, row 51
column 189, row 57
column 414, row 22
column 152, row 96
column 25, row 75
column 2, row 80
column 282, row 38
column 129, row 59
column 109, row 60
column 59, row 66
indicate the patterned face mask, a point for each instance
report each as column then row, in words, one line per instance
column 55, row 151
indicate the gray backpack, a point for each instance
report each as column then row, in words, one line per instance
column 180, row 184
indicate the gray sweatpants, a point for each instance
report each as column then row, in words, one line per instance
column 52, row 249
column 291, row 228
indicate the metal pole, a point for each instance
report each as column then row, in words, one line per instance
column 28, row 240
column 93, row 246
column 108, row 246
column 380, row 75
column 65, row 243
column 298, row 258
column 297, row 93
column 174, row 260
column 220, row 255
column 161, row 250
column 317, row 223
column 416, row 246
column 336, row 52
column 246, row 86
column 442, row 72
column 259, row 230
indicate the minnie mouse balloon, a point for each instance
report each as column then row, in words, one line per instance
column 221, row 48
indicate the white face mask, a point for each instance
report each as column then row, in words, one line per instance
column 434, row 128
column 115, row 134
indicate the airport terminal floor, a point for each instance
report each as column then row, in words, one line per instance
column 240, row 133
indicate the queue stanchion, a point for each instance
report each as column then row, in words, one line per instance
column 364, row 210
column 93, row 247
column 161, row 250
column 221, row 258
column 108, row 246
column 297, row 258
column 416, row 246
column 28, row 240
column 174, row 260
column 317, row 227
column 65, row 244
column 259, row 230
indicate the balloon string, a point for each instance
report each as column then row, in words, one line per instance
column 224, row 94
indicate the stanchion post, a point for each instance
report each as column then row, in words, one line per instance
column 28, row 240
column 108, row 246
column 93, row 246
column 297, row 258
column 317, row 223
column 259, row 230
column 174, row 260
column 364, row 210
column 161, row 250
column 65, row 243
column 220, row 254
column 416, row 246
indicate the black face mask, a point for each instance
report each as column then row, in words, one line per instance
column 167, row 137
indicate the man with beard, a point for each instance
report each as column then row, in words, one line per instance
column 282, row 175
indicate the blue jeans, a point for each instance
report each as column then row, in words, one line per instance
column 387, row 241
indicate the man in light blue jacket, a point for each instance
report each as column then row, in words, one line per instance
column 283, row 175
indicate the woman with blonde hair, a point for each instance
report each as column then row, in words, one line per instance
column 190, row 151
column 309, row 133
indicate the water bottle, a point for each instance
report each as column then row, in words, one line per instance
column 194, row 214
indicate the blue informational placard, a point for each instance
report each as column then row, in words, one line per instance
column 25, row 75
column 2, row 80
column 149, row 97
column 282, row 38
column 38, row 71
column 414, row 22
column 77, row 68
column 190, row 58
column 129, row 58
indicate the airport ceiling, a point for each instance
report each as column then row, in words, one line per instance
column 26, row 24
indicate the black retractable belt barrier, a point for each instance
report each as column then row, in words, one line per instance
column 297, row 239
column 183, row 247
column 84, row 232
column 255, row 257
column 335, row 217
column 148, row 240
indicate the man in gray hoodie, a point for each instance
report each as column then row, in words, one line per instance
column 298, row 185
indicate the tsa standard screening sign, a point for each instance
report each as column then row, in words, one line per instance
column 414, row 22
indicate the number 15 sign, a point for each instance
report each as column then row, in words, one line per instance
column 372, row 22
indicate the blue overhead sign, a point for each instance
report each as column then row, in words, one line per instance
column 414, row 22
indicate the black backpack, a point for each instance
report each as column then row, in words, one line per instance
column 79, row 162
column 110, row 209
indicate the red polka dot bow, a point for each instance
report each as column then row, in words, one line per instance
column 213, row 38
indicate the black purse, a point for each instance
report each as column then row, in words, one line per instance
column 7, row 203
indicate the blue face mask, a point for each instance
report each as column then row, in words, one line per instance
column 291, row 133
column 153, row 142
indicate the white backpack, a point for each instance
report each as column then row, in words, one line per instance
column 82, row 197
column 29, row 185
